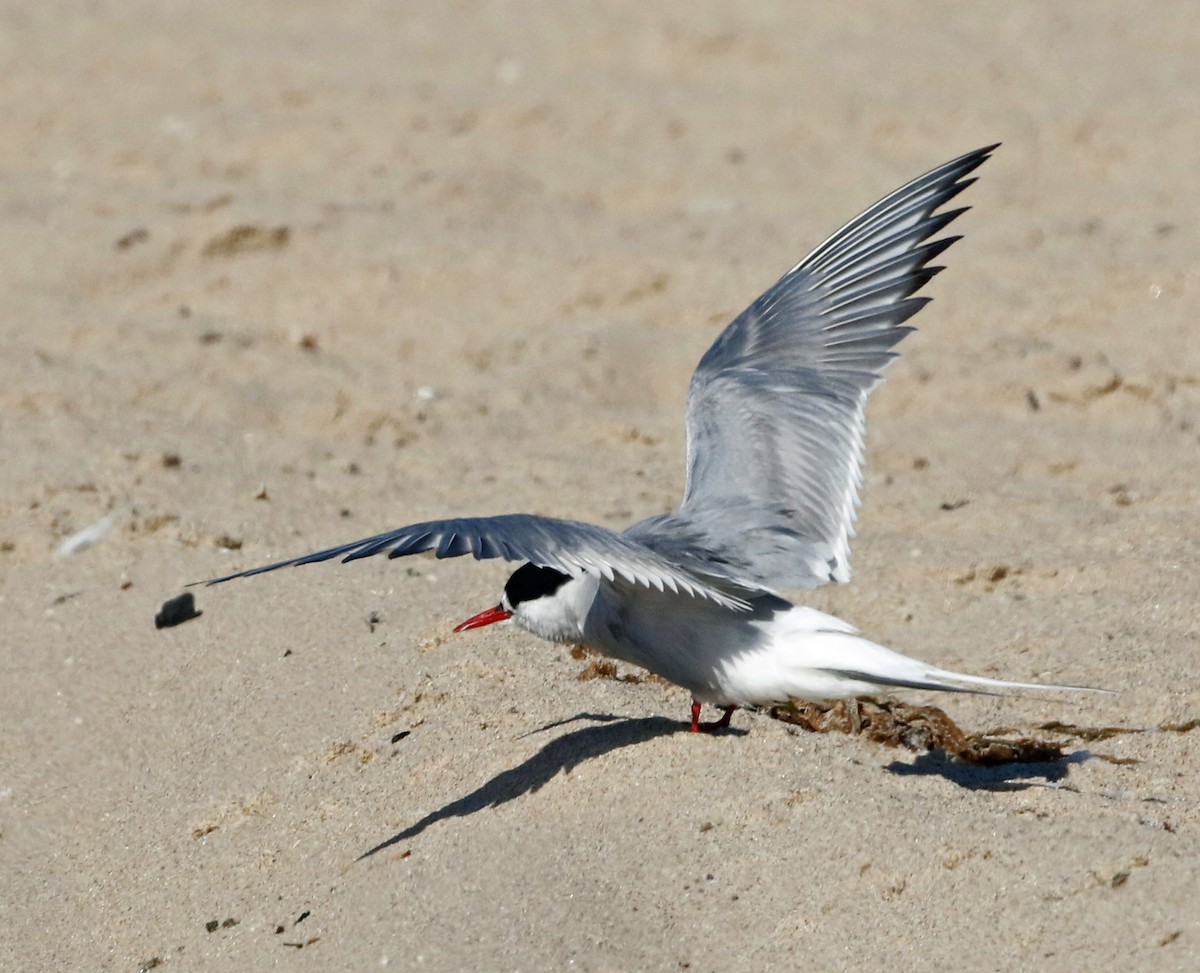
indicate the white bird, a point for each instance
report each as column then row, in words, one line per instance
column 774, row 455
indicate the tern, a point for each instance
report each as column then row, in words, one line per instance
column 775, row 422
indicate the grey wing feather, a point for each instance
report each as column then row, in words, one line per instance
column 565, row 545
column 775, row 408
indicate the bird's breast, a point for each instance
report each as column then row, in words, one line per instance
column 688, row 641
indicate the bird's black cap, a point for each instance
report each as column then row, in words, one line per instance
column 531, row 581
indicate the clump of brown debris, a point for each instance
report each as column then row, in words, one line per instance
column 603, row 669
column 599, row 667
column 896, row 724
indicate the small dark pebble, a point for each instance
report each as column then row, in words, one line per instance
column 244, row 239
column 212, row 925
column 300, row 918
column 229, row 923
column 171, row 461
column 151, row 964
column 132, row 237
column 177, row 611
column 397, row 737
column 278, row 930
column 954, row 504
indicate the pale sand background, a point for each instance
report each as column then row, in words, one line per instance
column 544, row 213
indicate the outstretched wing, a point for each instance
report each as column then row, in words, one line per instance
column 565, row 545
column 775, row 407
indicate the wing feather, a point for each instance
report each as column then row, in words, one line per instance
column 565, row 545
column 775, row 412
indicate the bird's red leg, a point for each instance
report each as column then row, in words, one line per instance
column 698, row 727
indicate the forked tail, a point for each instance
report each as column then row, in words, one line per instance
column 822, row 657
column 947, row 681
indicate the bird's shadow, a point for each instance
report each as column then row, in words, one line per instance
column 566, row 752
column 563, row 753
column 1013, row 776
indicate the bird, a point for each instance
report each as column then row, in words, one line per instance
column 775, row 428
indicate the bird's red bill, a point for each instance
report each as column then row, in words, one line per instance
column 488, row 617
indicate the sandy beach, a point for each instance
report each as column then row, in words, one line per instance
column 280, row 275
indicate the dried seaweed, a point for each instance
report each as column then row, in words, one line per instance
column 1088, row 733
column 916, row 728
column 603, row 669
column 1093, row 733
column 599, row 667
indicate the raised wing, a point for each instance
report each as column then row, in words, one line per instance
column 565, row 545
column 775, row 407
